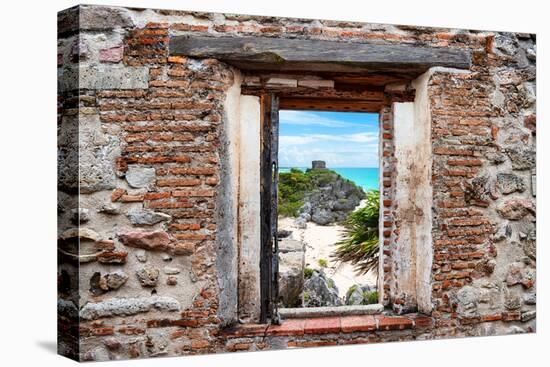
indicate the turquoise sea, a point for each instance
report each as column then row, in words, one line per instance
column 366, row 177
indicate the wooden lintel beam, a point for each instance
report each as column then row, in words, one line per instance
column 326, row 104
column 263, row 53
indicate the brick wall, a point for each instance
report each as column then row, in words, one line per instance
column 138, row 232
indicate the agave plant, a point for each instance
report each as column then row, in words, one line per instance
column 359, row 246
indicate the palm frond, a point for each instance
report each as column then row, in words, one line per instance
column 360, row 245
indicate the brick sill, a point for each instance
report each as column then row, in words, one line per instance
column 331, row 325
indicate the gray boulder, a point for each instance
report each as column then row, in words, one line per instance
column 146, row 217
column 291, row 272
column 354, row 296
column 140, row 177
column 521, row 157
column 509, row 183
column 291, row 278
column 320, row 291
column 359, row 295
column 322, row 216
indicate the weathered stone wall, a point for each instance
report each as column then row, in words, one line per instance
column 143, row 183
column 483, row 138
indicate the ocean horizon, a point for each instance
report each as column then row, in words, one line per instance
column 366, row 177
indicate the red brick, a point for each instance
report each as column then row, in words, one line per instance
column 394, row 323
column 199, row 344
column 496, row 317
column 191, row 236
column 321, row 325
column 130, row 330
column 185, row 323
column 177, row 59
column 245, row 330
column 117, row 194
column 198, row 193
column 357, row 323
column 183, row 248
column 452, row 151
column 185, row 226
column 103, row 331
column 192, row 171
column 131, row 198
column 179, row 182
column 469, row 222
column 287, row 328
column 156, row 195
column 464, row 162
column 169, row 205
column 422, row 321
column 238, row 347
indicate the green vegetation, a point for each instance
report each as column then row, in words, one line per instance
column 294, row 185
column 322, row 263
column 370, row 297
column 360, row 244
column 308, row 272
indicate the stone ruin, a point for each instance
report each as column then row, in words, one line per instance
column 159, row 190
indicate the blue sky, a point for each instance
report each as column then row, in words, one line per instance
column 342, row 139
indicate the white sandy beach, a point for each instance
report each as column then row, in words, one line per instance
column 319, row 241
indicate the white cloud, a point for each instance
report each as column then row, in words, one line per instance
column 368, row 137
column 289, row 117
column 340, row 149
column 295, row 156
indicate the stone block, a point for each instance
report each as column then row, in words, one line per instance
column 146, row 217
column 113, row 77
column 153, row 241
column 140, row 177
column 127, row 306
column 101, row 18
column 111, row 54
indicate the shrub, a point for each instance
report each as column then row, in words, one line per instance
column 359, row 246
column 308, row 272
column 322, row 263
column 294, row 185
column 370, row 298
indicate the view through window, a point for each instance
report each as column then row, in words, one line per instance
column 328, row 208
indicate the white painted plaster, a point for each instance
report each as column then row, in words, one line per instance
column 424, row 193
column 249, row 209
column 412, row 262
column 227, row 202
column 404, row 261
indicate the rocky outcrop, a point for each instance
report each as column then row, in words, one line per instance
column 361, row 295
column 331, row 200
column 320, row 291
